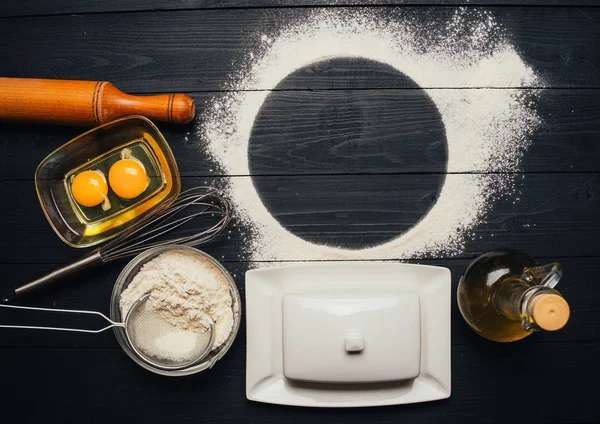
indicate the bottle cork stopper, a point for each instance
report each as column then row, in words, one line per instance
column 550, row 311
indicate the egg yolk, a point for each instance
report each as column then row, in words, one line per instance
column 89, row 188
column 127, row 178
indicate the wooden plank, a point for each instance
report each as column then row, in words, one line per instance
column 92, row 290
column 41, row 7
column 195, row 50
column 349, row 132
column 67, row 382
column 556, row 215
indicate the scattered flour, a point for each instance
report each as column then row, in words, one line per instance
column 487, row 129
column 187, row 291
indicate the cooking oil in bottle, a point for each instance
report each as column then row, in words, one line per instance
column 505, row 295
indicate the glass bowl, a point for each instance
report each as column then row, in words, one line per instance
column 124, row 280
column 97, row 150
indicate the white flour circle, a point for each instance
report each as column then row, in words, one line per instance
column 487, row 129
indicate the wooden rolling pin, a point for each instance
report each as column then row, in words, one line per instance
column 85, row 103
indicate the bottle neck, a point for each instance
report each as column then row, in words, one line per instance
column 536, row 307
column 508, row 296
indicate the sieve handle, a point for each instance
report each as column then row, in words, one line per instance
column 69, row 311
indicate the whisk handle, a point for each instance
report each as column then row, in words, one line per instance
column 79, row 264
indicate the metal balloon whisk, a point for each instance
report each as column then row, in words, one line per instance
column 191, row 204
column 207, row 203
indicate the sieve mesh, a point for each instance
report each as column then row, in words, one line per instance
column 162, row 344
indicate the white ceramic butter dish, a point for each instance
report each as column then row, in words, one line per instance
column 346, row 334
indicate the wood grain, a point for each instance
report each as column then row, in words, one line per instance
column 42, row 7
column 85, row 103
column 184, row 51
column 347, row 152
column 68, row 383
column 556, row 215
column 92, row 291
column 300, row 133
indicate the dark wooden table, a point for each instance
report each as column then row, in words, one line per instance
column 155, row 46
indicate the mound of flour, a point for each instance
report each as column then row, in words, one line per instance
column 186, row 291
column 487, row 129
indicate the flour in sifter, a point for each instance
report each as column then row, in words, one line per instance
column 187, row 291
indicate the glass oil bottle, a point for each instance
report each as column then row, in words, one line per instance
column 505, row 295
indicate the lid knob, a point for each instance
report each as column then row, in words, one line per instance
column 355, row 343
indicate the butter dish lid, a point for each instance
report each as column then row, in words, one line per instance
column 351, row 337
